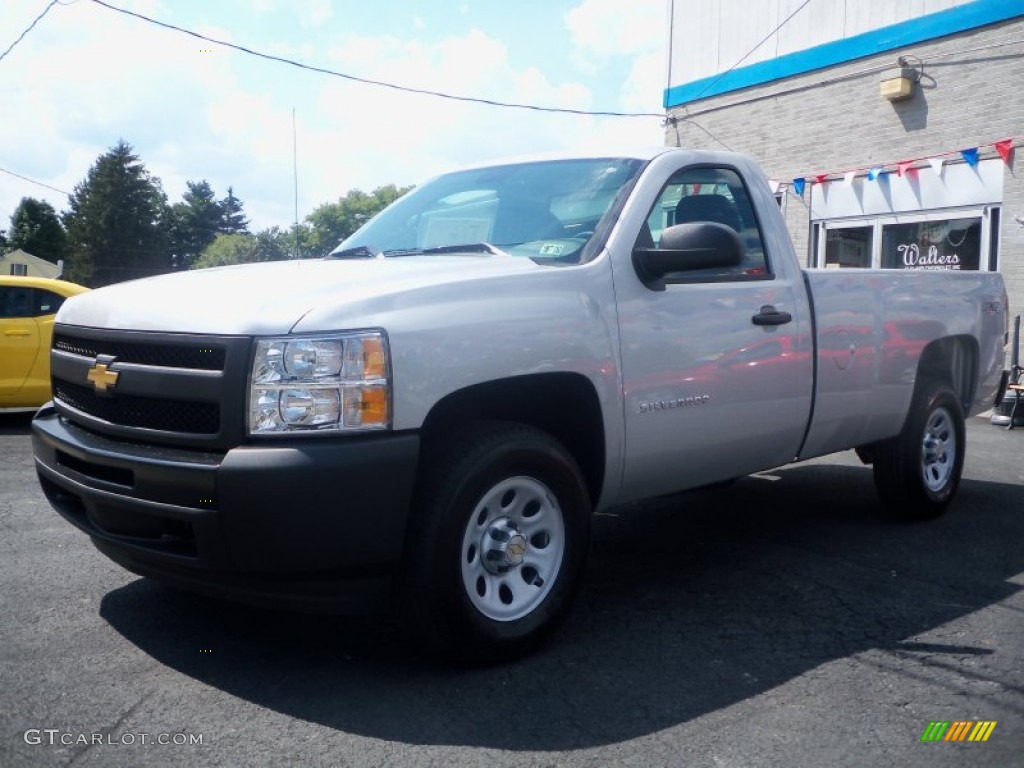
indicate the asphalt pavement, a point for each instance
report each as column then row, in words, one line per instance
column 782, row 621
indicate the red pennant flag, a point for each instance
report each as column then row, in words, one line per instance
column 820, row 178
column 903, row 167
column 1005, row 149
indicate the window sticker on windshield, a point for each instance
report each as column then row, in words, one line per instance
column 552, row 249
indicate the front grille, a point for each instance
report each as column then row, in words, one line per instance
column 194, row 356
column 142, row 412
column 172, row 389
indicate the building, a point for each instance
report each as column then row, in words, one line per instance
column 892, row 131
column 21, row 263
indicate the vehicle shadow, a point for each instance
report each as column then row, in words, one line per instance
column 691, row 604
column 16, row 423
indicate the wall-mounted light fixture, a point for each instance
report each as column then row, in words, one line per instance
column 898, row 83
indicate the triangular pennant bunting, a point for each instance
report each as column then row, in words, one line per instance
column 1005, row 149
column 971, row 156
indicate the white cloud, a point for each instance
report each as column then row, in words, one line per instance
column 604, row 28
column 97, row 76
column 314, row 13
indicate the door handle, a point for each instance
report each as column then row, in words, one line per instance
column 769, row 315
column 17, row 333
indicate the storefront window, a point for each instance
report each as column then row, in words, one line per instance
column 937, row 244
column 848, row 247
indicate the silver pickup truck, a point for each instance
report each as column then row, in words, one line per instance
column 436, row 409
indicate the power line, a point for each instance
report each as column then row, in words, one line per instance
column 749, row 53
column 33, row 181
column 381, row 83
column 28, row 29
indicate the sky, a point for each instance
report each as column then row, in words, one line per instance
column 86, row 76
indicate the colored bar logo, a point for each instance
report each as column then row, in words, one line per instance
column 958, row 730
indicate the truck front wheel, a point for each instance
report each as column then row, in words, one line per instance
column 497, row 544
column 918, row 471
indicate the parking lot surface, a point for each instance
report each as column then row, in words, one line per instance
column 779, row 622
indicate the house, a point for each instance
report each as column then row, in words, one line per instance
column 21, row 263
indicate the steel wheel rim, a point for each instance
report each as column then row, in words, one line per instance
column 512, row 548
column 938, row 450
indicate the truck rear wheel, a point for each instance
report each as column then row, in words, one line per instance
column 918, row 471
column 498, row 542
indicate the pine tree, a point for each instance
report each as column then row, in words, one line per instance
column 117, row 221
column 36, row 229
column 233, row 221
column 195, row 223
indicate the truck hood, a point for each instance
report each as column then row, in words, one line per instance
column 271, row 298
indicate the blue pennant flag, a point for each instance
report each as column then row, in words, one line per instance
column 798, row 186
column 970, row 155
column 875, row 173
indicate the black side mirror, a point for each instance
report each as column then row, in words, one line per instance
column 688, row 247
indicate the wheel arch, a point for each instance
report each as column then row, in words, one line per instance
column 953, row 359
column 565, row 405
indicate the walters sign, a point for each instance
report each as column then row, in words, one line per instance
column 937, row 244
column 913, row 258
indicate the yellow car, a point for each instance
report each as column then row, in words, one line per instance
column 27, row 309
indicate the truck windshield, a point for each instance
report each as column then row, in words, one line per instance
column 547, row 211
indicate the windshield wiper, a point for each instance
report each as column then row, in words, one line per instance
column 372, row 252
column 468, row 248
column 358, row 252
column 403, row 252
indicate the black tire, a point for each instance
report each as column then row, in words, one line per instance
column 918, row 472
column 489, row 582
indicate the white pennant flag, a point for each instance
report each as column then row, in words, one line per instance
column 936, row 164
column 848, row 177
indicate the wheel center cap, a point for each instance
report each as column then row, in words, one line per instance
column 503, row 546
column 516, row 550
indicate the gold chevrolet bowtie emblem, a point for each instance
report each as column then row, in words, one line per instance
column 102, row 377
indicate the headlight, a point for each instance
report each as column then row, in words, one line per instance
column 338, row 382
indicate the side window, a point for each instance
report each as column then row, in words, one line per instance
column 47, row 302
column 708, row 194
column 15, row 302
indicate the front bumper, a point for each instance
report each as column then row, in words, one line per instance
column 309, row 523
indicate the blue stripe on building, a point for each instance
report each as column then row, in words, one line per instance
column 957, row 19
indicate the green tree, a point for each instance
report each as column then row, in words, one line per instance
column 330, row 223
column 117, row 221
column 232, row 219
column 3, row 241
column 194, row 223
column 229, row 249
column 273, row 244
column 36, row 229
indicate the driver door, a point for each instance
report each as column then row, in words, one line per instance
column 709, row 394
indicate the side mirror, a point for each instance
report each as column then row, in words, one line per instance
column 685, row 248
